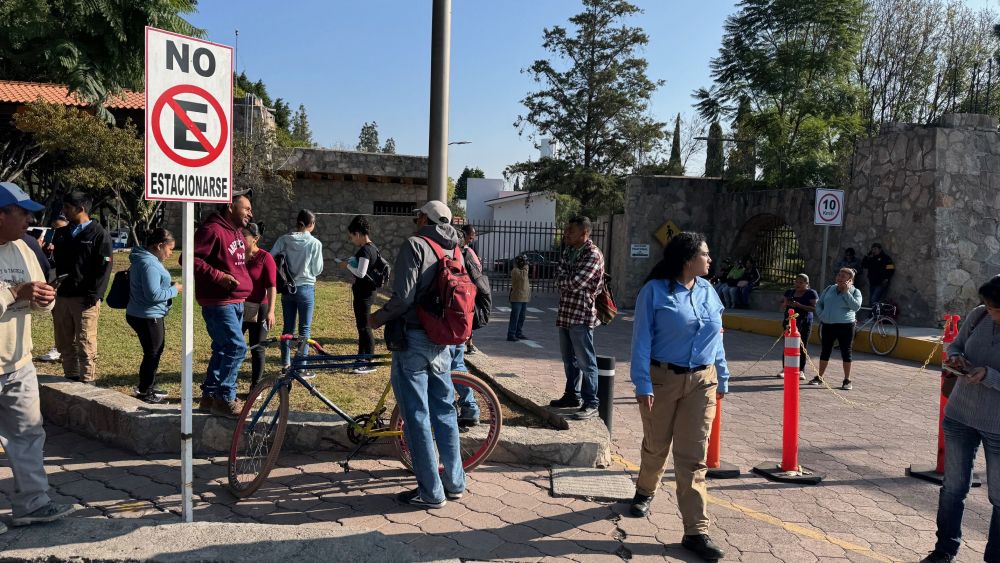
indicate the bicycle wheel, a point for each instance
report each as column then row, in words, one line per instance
column 260, row 431
column 478, row 441
column 883, row 336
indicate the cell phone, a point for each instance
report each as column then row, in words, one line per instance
column 58, row 281
column 954, row 371
column 36, row 232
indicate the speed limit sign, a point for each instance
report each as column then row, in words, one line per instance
column 829, row 207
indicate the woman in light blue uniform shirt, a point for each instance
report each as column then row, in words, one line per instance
column 679, row 371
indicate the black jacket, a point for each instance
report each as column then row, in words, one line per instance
column 86, row 258
column 880, row 268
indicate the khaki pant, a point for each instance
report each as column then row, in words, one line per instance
column 682, row 413
column 76, row 336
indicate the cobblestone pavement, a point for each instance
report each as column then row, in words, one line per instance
column 865, row 509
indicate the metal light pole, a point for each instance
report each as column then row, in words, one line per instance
column 437, row 150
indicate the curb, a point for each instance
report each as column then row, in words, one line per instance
column 912, row 348
column 128, row 423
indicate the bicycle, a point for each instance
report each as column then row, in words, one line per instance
column 883, row 333
column 260, row 428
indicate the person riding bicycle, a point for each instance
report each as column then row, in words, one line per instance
column 420, row 373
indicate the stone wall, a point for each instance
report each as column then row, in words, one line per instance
column 389, row 232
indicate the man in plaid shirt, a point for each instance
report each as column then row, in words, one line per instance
column 581, row 275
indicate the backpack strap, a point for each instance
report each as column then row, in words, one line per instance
column 976, row 322
column 439, row 251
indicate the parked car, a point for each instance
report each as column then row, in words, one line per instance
column 541, row 265
column 119, row 239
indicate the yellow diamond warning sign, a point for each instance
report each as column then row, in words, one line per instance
column 666, row 232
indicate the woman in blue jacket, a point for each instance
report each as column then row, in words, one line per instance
column 150, row 292
column 836, row 310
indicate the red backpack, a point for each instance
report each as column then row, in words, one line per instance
column 447, row 310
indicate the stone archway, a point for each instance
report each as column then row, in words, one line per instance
column 773, row 245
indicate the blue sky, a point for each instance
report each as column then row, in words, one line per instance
column 353, row 61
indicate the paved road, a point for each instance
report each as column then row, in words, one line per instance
column 865, row 510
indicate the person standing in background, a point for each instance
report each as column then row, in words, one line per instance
column 304, row 256
column 836, row 309
column 362, row 286
column 258, row 310
column 50, row 265
column 150, row 293
column 83, row 253
column 802, row 299
column 520, row 295
column 468, row 236
column 880, row 268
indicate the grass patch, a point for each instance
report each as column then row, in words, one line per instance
column 119, row 353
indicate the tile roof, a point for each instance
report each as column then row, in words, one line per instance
column 25, row 92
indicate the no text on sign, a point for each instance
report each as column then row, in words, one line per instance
column 189, row 93
column 829, row 207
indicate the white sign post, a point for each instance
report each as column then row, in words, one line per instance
column 189, row 115
column 829, row 213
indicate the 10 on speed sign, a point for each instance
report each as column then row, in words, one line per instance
column 189, row 107
column 829, row 207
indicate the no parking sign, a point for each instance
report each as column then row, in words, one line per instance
column 189, row 108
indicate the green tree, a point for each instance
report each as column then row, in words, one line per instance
column 674, row 166
column 742, row 163
column 90, row 154
column 593, row 99
column 390, row 146
column 368, row 138
column 301, row 133
column 715, row 158
column 96, row 47
column 462, row 186
column 282, row 114
column 792, row 60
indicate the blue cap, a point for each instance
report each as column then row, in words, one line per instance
column 11, row 194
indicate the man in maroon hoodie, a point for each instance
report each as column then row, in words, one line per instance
column 221, row 284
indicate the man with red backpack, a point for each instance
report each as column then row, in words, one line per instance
column 431, row 309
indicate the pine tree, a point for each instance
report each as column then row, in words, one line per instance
column 368, row 138
column 715, row 158
column 300, row 127
column 390, row 146
column 674, row 166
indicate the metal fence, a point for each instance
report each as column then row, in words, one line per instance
column 499, row 242
column 775, row 251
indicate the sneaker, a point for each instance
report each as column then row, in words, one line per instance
column 3, row 528
column 640, row 505
column 48, row 513
column 470, row 349
column 520, row 337
column 566, row 402
column 157, row 391
column 50, row 356
column 453, row 496
column 228, row 409
column 511, row 339
column 937, row 556
column 846, row 386
column 780, row 374
column 205, row 403
column 148, row 397
column 802, row 376
column 364, row 370
column 586, row 413
column 468, row 420
column 703, row 546
column 413, row 497
column 816, row 381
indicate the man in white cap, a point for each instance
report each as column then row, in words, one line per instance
column 22, row 290
column 420, row 373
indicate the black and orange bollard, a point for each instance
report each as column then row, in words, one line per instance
column 789, row 470
column 935, row 474
column 718, row 469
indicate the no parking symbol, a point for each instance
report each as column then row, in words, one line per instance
column 188, row 116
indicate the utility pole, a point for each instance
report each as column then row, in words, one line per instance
column 437, row 150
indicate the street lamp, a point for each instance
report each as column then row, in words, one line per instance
column 459, row 143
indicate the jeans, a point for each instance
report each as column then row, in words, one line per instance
column 878, row 293
column 516, row 325
column 362, row 308
column 730, row 295
column 299, row 304
column 580, row 363
column 23, row 437
column 425, row 395
column 225, row 327
column 961, row 443
column 468, row 407
column 743, row 295
column 151, row 334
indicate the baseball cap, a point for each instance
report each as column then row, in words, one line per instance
column 12, row 194
column 436, row 211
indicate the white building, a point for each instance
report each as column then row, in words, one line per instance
column 509, row 223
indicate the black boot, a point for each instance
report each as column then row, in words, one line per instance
column 703, row 546
column 640, row 505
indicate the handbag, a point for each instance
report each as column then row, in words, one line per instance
column 604, row 302
column 118, row 294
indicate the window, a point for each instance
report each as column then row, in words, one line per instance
column 393, row 208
